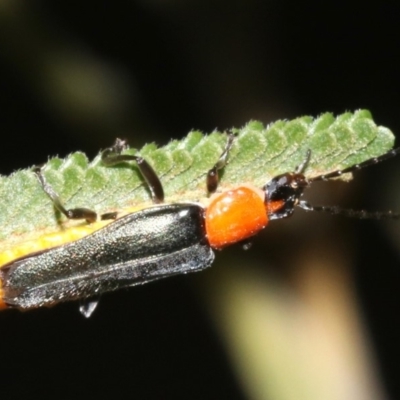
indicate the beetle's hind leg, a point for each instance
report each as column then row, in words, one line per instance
column 73, row 213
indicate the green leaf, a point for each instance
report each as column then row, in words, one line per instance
column 258, row 154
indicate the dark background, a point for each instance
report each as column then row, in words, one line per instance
column 75, row 75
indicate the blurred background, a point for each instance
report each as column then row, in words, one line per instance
column 312, row 310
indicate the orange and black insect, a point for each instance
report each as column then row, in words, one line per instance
column 158, row 242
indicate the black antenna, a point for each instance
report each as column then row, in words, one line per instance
column 360, row 214
column 335, row 210
column 372, row 161
column 302, row 167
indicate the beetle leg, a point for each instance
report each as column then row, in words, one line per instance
column 73, row 213
column 87, row 306
column 110, row 215
column 112, row 156
column 212, row 175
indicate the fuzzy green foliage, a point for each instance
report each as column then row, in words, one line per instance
column 258, row 154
